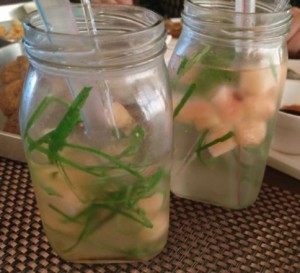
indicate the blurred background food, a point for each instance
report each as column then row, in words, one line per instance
column 11, row 84
column 286, row 136
column 173, row 27
column 12, row 31
column 13, row 65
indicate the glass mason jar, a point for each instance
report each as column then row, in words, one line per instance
column 96, row 123
column 227, row 74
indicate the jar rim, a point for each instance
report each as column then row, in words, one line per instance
column 104, row 7
column 275, row 11
column 127, row 35
column 218, row 20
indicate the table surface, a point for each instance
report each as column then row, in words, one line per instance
column 202, row 238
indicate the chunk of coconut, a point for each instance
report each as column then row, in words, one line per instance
column 200, row 112
column 122, row 117
column 52, row 191
column 160, row 227
column 250, row 132
column 228, row 104
column 157, row 212
column 259, row 81
column 152, row 205
column 191, row 74
column 205, row 115
column 261, row 107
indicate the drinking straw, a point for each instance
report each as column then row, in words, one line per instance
column 281, row 5
column 89, row 18
column 245, row 6
column 57, row 16
column 107, row 99
column 248, row 6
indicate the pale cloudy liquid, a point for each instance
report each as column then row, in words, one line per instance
column 99, row 235
column 232, row 178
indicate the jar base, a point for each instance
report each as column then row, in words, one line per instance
column 111, row 260
column 240, row 206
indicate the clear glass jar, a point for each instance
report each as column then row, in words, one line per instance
column 227, row 73
column 96, row 122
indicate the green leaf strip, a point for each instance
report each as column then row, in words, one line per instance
column 40, row 109
column 182, row 66
column 110, row 158
column 67, row 124
column 273, row 70
column 121, row 202
column 225, row 137
column 201, row 142
column 184, row 99
column 136, row 136
column 186, row 64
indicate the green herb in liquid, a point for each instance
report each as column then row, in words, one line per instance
column 122, row 201
column 208, row 78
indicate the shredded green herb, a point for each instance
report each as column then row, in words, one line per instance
column 184, row 99
column 124, row 199
column 186, row 63
column 135, row 139
column 182, row 65
column 210, row 74
column 120, row 202
column 56, row 140
column 273, row 70
column 201, row 147
column 201, row 143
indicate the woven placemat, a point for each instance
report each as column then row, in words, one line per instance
column 202, row 238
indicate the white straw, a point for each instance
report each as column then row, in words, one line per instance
column 242, row 20
column 245, row 6
column 57, row 16
column 89, row 17
column 107, row 99
column 281, row 5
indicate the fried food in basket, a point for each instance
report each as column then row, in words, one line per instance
column 14, row 33
column 2, row 31
column 23, row 65
column 10, row 72
column 11, row 84
column 12, row 124
column 10, row 97
column 173, row 27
